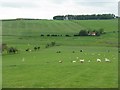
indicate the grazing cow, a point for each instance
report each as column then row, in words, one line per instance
column 38, row 48
column 12, row 50
column 35, row 48
column 58, row 52
column 27, row 49
column 73, row 52
column 81, row 50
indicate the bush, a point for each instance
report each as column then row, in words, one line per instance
column 83, row 33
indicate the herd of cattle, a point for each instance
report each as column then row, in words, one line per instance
column 4, row 47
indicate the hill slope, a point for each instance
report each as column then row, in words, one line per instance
column 36, row 27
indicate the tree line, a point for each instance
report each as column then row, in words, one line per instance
column 84, row 17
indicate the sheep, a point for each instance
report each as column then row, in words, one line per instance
column 77, row 57
column 107, row 60
column 98, row 60
column 60, row 61
column 74, row 61
column 81, row 60
column 30, row 50
column 88, row 60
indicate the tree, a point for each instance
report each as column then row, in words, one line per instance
column 83, row 33
column 101, row 30
column 53, row 43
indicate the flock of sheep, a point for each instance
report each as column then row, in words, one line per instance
column 82, row 60
column 74, row 61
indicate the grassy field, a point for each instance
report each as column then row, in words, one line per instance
column 41, row 68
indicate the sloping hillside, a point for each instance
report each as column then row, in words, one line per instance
column 38, row 27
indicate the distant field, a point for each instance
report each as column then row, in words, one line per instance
column 42, row 69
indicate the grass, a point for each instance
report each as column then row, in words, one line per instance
column 41, row 69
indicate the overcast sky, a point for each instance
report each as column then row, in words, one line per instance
column 46, row 9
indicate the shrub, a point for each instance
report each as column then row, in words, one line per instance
column 83, row 33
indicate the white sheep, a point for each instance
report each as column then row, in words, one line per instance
column 74, row 61
column 98, row 60
column 107, row 60
column 30, row 50
column 88, row 60
column 77, row 57
column 81, row 60
column 60, row 61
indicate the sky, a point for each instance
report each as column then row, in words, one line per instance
column 46, row 9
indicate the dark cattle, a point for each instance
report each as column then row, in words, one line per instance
column 42, row 35
column 35, row 48
column 48, row 35
column 58, row 52
column 73, row 52
column 81, row 50
column 27, row 49
column 67, row 35
column 38, row 48
column 12, row 50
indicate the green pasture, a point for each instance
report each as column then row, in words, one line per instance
column 41, row 68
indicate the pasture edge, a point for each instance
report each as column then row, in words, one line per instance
column 60, row 88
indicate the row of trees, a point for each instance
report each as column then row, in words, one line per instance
column 85, row 17
column 86, row 32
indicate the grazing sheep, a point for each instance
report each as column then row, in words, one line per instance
column 60, row 61
column 81, row 60
column 74, row 61
column 98, row 60
column 77, row 57
column 88, row 60
column 107, row 60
